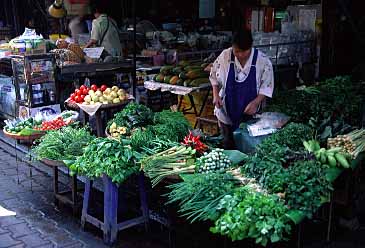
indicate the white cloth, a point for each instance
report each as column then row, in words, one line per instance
column 219, row 74
column 90, row 109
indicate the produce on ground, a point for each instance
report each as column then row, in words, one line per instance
column 104, row 95
column 64, row 144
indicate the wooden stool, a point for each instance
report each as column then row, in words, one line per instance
column 209, row 120
column 110, row 225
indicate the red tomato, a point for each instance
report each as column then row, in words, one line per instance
column 94, row 87
column 73, row 95
column 77, row 99
column 82, row 87
column 85, row 91
column 82, row 98
column 103, row 87
column 78, row 92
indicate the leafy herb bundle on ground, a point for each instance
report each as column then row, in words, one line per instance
column 64, row 144
column 106, row 156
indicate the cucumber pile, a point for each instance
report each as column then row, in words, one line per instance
column 329, row 157
column 214, row 161
column 19, row 126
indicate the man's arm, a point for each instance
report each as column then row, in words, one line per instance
column 217, row 101
column 91, row 43
column 253, row 106
column 266, row 88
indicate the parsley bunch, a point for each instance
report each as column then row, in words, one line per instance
column 106, row 156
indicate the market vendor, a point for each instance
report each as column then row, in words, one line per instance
column 242, row 77
column 104, row 32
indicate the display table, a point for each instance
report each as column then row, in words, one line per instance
column 107, row 108
column 63, row 196
column 182, row 91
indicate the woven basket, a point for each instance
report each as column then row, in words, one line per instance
column 77, row 50
column 65, row 56
column 32, row 137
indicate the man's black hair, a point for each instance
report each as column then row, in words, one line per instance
column 242, row 39
column 98, row 6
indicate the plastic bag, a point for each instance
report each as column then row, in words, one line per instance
column 267, row 123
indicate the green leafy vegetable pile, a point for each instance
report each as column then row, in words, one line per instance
column 331, row 107
column 64, row 144
column 198, row 195
column 281, row 165
column 169, row 125
column 254, row 215
column 107, row 156
column 133, row 115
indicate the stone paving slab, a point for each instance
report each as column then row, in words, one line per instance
column 33, row 226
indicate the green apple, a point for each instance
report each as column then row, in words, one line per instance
column 91, row 93
column 98, row 93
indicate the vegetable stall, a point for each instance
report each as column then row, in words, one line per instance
column 259, row 196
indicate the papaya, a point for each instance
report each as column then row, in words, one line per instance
column 190, row 68
column 166, row 69
column 199, row 81
column 159, row 78
column 187, row 82
column 180, row 82
column 183, row 63
column 167, row 79
column 177, row 70
column 196, row 74
column 174, row 80
column 182, row 75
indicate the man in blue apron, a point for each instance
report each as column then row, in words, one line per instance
column 241, row 77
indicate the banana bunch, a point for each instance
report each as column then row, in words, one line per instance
column 332, row 157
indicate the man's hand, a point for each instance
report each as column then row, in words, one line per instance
column 253, row 106
column 217, row 101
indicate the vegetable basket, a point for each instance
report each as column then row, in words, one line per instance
column 108, row 135
column 31, row 137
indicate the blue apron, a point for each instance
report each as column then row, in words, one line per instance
column 240, row 94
